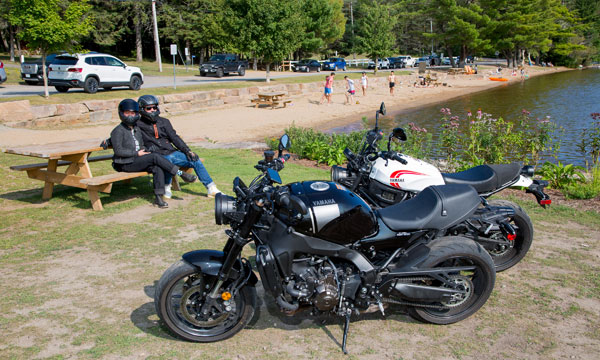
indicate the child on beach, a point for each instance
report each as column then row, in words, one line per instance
column 364, row 82
column 392, row 82
column 328, row 89
column 351, row 91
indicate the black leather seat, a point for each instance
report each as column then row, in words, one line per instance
column 436, row 207
column 485, row 178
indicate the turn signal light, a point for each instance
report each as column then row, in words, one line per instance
column 511, row 237
column 226, row 295
column 1, row 64
column 546, row 202
column 75, row 70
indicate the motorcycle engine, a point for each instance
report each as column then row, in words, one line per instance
column 315, row 283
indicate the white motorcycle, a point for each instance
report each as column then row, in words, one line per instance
column 384, row 178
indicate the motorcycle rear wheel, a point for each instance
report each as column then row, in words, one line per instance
column 459, row 251
column 183, row 284
column 507, row 258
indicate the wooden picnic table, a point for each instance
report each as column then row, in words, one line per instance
column 273, row 99
column 75, row 155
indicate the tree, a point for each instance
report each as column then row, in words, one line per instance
column 374, row 29
column 324, row 24
column 50, row 25
column 271, row 29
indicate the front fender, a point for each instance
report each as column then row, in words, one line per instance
column 210, row 262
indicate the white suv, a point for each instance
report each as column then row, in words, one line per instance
column 91, row 71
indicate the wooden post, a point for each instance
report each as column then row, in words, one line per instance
column 49, row 186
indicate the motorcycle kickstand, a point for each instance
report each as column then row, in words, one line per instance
column 346, row 327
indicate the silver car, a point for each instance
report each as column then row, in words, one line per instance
column 2, row 73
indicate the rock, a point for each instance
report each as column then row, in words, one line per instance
column 101, row 116
column 11, row 110
column 71, row 109
column 42, row 111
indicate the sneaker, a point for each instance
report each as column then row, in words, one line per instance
column 188, row 178
column 168, row 193
column 212, row 191
column 160, row 202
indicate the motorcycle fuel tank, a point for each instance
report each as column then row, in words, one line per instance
column 414, row 176
column 335, row 213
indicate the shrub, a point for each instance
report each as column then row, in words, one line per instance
column 562, row 176
column 587, row 190
column 590, row 140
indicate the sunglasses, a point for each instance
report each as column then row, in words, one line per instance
column 147, row 108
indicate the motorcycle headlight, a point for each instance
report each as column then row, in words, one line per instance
column 224, row 208
column 338, row 174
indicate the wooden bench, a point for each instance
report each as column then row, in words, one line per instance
column 271, row 103
column 456, row 71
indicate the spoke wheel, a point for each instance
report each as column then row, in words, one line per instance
column 182, row 303
column 475, row 286
column 505, row 256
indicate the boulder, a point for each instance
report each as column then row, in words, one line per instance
column 42, row 111
column 11, row 110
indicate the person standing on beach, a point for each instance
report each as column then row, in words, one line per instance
column 328, row 89
column 351, row 91
column 364, row 81
column 392, row 82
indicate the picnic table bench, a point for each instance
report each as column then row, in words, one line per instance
column 456, row 71
column 271, row 98
column 74, row 155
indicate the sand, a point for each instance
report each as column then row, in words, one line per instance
column 240, row 123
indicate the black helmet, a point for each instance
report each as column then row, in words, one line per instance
column 129, row 105
column 149, row 100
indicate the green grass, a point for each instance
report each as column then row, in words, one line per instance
column 81, row 283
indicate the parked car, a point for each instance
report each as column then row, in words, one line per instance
column 307, row 65
column 396, row 63
column 446, row 61
column 408, row 60
column 224, row 64
column 334, row 64
column 2, row 73
column 31, row 71
column 425, row 59
column 381, row 64
column 92, row 71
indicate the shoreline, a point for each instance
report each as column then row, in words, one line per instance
column 242, row 123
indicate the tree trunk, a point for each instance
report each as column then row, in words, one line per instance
column 4, row 42
column 138, row 33
column 450, row 56
column 12, row 43
column 44, row 74
column 268, row 72
column 254, row 62
column 188, row 56
column 376, row 65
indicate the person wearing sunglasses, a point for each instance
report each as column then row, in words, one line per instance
column 160, row 137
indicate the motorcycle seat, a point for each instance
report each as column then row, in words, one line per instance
column 437, row 207
column 485, row 178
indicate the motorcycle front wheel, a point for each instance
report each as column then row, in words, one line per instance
column 506, row 257
column 477, row 284
column 180, row 297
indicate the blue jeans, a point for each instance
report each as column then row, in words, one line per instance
column 178, row 158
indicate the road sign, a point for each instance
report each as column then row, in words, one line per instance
column 173, row 49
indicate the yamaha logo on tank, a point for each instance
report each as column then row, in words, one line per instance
column 319, row 186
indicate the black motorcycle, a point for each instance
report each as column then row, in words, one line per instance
column 321, row 247
column 385, row 178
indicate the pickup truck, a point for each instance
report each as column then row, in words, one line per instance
column 223, row 64
column 381, row 64
column 31, row 71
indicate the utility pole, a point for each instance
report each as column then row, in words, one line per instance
column 431, row 29
column 352, row 27
column 156, row 44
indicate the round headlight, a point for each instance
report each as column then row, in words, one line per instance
column 224, row 204
column 338, row 173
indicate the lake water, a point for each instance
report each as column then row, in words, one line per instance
column 567, row 97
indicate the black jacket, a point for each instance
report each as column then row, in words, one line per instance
column 166, row 138
column 124, row 145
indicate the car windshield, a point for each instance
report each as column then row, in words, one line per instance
column 217, row 58
column 303, row 62
column 334, row 59
column 65, row 60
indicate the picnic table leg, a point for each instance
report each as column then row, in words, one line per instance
column 95, row 200
column 49, row 186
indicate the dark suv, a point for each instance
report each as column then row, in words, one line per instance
column 31, row 71
column 223, row 64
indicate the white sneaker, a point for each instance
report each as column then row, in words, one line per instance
column 212, row 191
column 168, row 194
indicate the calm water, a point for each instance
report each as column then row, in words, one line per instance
column 567, row 97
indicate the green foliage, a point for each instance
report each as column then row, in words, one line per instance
column 590, row 140
column 324, row 23
column 586, row 190
column 419, row 142
column 562, row 176
column 374, row 34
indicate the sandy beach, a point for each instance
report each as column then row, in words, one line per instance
column 239, row 123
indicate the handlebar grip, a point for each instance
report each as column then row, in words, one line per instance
column 399, row 158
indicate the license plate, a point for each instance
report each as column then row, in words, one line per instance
column 27, row 75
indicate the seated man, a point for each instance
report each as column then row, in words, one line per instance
column 130, row 153
column 161, row 138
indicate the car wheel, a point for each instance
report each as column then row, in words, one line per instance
column 220, row 73
column 307, row 69
column 202, row 73
column 91, row 85
column 242, row 71
column 318, row 69
column 135, row 83
column 62, row 89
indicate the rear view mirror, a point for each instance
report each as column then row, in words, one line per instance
column 382, row 110
column 284, row 142
column 399, row 134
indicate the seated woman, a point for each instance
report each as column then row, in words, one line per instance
column 130, row 155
